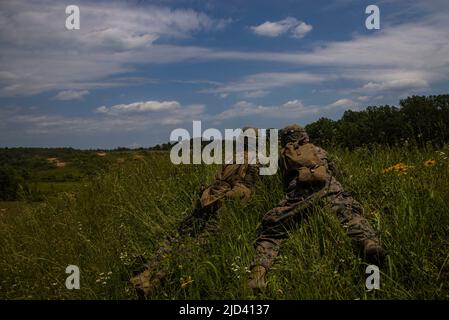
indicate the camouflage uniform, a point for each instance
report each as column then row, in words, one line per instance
column 234, row 181
column 308, row 179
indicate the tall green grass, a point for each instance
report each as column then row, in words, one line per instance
column 111, row 224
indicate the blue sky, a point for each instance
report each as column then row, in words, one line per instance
column 136, row 70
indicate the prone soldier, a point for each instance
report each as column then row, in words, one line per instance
column 308, row 178
column 234, row 181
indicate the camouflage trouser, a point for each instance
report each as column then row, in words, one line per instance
column 279, row 221
column 204, row 216
column 201, row 221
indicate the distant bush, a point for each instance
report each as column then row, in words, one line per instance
column 417, row 120
column 10, row 182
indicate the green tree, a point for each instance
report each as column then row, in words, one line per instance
column 428, row 116
column 10, row 182
column 323, row 132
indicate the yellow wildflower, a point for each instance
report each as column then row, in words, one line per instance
column 186, row 282
column 430, row 163
column 399, row 168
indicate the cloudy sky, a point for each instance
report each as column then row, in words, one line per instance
column 136, row 70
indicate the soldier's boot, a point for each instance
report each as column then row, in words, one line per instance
column 373, row 252
column 145, row 283
column 257, row 278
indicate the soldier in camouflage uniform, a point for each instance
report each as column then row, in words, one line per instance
column 308, row 178
column 234, row 181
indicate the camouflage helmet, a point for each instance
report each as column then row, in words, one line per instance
column 293, row 133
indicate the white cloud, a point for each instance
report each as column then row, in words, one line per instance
column 298, row 29
column 115, row 38
column 345, row 103
column 106, row 120
column 294, row 104
column 39, row 54
column 397, row 84
column 255, row 94
column 301, row 30
column 290, row 109
column 139, row 107
column 400, row 57
column 260, row 83
column 71, row 95
column 152, row 112
column 363, row 98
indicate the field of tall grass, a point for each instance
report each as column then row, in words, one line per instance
column 110, row 224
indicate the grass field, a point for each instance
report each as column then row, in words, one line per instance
column 108, row 225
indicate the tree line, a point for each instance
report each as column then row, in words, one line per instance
column 417, row 120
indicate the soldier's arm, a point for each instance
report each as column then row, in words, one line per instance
column 324, row 156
